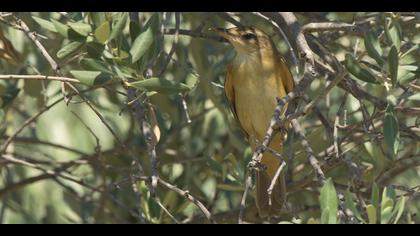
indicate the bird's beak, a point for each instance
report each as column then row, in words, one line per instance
column 221, row 32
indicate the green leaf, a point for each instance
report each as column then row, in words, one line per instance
column 102, row 32
column 393, row 65
column 399, row 207
column 328, row 203
column 160, row 85
column 391, row 131
column 95, row 49
column 66, row 31
column 407, row 78
column 118, row 26
column 351, row 206
column 375, row 195
column 97, row 17
column 48, row 25
column 360, row 73
column 61, row 28
column 412, row 68
column 414, row 97
column 140, row 46
column 192, row 80
column 69, row 49
column 80, row 27
column 325, row 214
column 94, row 65
column 91, row 77
column 373, row 47
column 153, row 23
column 371, row 212
column 393, row 32
column 387, row 204
column 387, row 194
column 386, row 215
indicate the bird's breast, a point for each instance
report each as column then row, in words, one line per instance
column 256, row 88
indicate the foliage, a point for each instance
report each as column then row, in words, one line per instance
column 152, row 83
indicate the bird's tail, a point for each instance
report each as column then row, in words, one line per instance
column 263, row 181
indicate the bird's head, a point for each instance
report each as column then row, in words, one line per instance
column 246, row 39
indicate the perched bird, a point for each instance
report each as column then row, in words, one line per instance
column 7, row 51
column 255, row 77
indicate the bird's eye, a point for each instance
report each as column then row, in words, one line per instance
column 249, row 36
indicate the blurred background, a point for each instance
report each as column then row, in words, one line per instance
column 86, row 159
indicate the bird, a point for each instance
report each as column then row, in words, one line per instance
column 256, row 76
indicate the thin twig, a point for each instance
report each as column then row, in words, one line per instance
column 274, row 181
column 327, row 26
column 283, row 35
column 310, row 153
column 33, row 118
column 188, row 196
column 38, row 77
column 248, row 183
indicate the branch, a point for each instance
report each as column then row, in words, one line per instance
column 145, row 128
column 189, row 197
column 3, row 148
column 327, row 26
column 296, row 32
column 310, row 153
column 274, row 181
column 195, row 34
column 38, row 77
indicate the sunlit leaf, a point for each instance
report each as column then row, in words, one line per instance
column 393, row 32
column 118, row 26
column 160, row 85
column 66, row 31
column 399, row 207
column 103, row 31
column 141, row 45
column 414, row 97
column 48, row 25
column 371, row 212
column 91, row 77
column 329, row 203
column 80, row 27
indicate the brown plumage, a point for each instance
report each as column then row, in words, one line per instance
column 256, row 76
